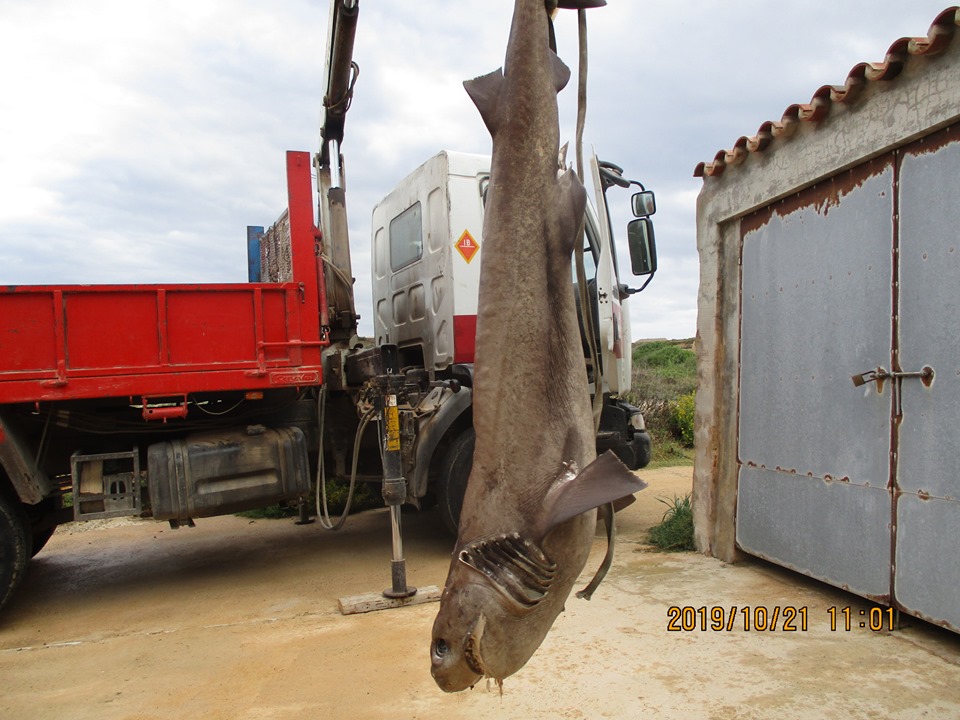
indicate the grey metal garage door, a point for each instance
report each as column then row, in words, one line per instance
column 857, row 485
column 927, row 576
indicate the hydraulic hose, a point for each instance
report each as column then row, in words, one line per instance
column 323, row 512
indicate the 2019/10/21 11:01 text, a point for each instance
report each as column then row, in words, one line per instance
column 786, row 618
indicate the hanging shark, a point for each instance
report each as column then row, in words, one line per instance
column 529, row 512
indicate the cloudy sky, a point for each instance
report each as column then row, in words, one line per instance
column 139, row 139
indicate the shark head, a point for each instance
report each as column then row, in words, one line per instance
column 456, row 652
column 490, row 620
column 479, row 635
column 504, row 589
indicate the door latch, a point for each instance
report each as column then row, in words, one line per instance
column 925, row 374
column 870, row 376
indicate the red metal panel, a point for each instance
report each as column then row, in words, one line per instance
column 222, row 333
column 274, row 324
column 26, row 338
column 112, row 330
column 464, row 338
column 303, row 240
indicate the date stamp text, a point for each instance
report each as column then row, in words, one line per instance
column 775, row 618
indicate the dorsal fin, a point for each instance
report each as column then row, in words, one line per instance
column 603, row 481
column 485, row 93
column 485, row 90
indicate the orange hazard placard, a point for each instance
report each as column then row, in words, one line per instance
column 467, row 246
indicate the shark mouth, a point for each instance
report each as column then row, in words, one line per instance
column 471, row 648
column 514, row 566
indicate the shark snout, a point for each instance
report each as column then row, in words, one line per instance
column 457, row 665
column 449, row 667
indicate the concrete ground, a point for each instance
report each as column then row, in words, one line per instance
column 238, row 619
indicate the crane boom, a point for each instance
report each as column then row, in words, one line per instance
column 340, row 75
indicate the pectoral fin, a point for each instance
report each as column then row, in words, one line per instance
column 605, row 480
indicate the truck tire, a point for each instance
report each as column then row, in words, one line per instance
column 636, row 453
column 40, row 538
column 15, row 545
column 457, row 463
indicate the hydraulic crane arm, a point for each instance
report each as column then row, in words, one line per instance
column 340, row 75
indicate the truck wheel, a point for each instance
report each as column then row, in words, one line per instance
column 40, row 538
column 636, row 453
column 15, row 546
column 453, row 478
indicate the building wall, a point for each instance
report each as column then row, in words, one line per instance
column 913, row 93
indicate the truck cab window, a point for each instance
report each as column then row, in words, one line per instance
column 406, row 237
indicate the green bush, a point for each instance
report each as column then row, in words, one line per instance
column 675, row 531
column 682, row 412
column 664, row 372
column 669, row 357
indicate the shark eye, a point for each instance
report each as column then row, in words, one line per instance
column 440, row 648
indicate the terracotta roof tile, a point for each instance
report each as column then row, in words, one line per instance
column 938, row 38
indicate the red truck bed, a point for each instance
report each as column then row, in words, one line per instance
column 85, row 341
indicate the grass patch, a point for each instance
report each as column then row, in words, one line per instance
column 675, row 531
column 272, row 512
column 667, row 452
column 364, row 498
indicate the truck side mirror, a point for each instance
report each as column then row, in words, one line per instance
column 643, row 249
column 644, row 204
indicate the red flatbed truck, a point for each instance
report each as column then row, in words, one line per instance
column 208, row 386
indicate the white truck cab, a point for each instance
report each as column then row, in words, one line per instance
column 427, row 243
column 426, row 250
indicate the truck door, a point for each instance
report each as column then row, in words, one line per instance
column 614, row 326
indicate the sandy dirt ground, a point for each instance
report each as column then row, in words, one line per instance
column 238, row 619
